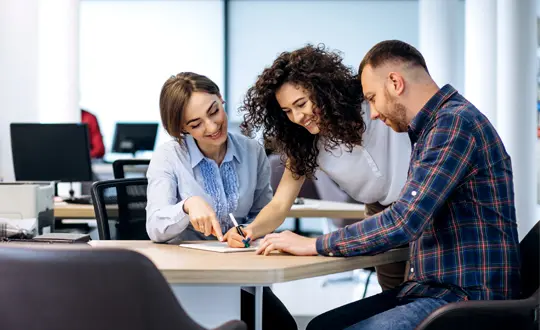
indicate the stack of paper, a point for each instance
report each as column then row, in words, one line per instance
column 221, row 247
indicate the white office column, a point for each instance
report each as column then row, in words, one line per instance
column 516, row 100
column 437, row 33
column 59, row 61
column 18, row 72
column 481, row 56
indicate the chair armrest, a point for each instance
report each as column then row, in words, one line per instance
column 232, row 325
column 492, row 314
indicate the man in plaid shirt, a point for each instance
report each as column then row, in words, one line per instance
column 456, row 208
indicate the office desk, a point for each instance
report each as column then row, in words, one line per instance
column 63, row 210
column 207, row 283
column 106, row 170
column 311, row 209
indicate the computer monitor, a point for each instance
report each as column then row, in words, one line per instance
column 51, row 152
column 133, row 137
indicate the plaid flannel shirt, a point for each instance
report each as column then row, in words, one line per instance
column 456, row 209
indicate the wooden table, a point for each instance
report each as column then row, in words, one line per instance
column 63, row 210
column 311, row 209
column 209, row 281
column 190, row 266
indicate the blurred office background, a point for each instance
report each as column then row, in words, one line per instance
column 112, row 57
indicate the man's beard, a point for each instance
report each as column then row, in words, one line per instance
column 397, row 113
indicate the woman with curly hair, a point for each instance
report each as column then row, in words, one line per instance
column 310, row 106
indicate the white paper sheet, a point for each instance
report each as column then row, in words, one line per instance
column 220, row 247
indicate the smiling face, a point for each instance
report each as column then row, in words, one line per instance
column 382, row 104
column 205, row 119
column 295, row 102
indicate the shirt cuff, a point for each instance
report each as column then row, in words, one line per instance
column 177, row 217
column 324, row 246
column 167, row 224
column 178, row 211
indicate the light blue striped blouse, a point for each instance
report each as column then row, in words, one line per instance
column 175, row 173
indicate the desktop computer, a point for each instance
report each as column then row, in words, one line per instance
column 51, row 152
column 134, row 137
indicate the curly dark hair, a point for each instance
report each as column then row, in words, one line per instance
column 334, row 90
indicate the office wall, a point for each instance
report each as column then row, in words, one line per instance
column 260, row 30
column 18, row 72
column 58, row 61
column 129, row 48
column 38, row 66
column 137, row 44
column 538, row 75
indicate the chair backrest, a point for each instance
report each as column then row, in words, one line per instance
column 120, row 166
column 84, row 288
column 530, row 261
column 500, row 314
column 120, row 208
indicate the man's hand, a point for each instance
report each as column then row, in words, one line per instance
column 237, row 241
column 288, row 242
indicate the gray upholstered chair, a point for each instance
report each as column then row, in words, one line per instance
column 522, row 313
column 83, row 288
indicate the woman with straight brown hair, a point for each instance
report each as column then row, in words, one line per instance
column 204, row 174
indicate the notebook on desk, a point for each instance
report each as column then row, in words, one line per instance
column 87, row 200
column 69, row 238
column 63, row 238
column 220, row 247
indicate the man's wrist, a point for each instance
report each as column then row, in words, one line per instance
column 313, row 248
column 322, row 247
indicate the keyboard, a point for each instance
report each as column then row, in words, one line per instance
column 79, row 200
column 87, row 200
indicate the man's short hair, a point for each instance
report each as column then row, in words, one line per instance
column 392, row 50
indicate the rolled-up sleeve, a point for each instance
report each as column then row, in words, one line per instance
column 165, row 216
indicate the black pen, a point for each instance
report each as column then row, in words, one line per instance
column 239, row 229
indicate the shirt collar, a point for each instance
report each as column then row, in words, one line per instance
column 428, row 111
column 197, row 156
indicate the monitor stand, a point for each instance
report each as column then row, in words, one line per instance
column 77, row 200
column 71, row 193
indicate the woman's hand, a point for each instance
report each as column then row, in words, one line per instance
column 202, row 217
column 235, row 240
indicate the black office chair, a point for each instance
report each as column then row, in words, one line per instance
column 520, row 314
column 87, row 288
column 126, row 218
column 119, row 166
